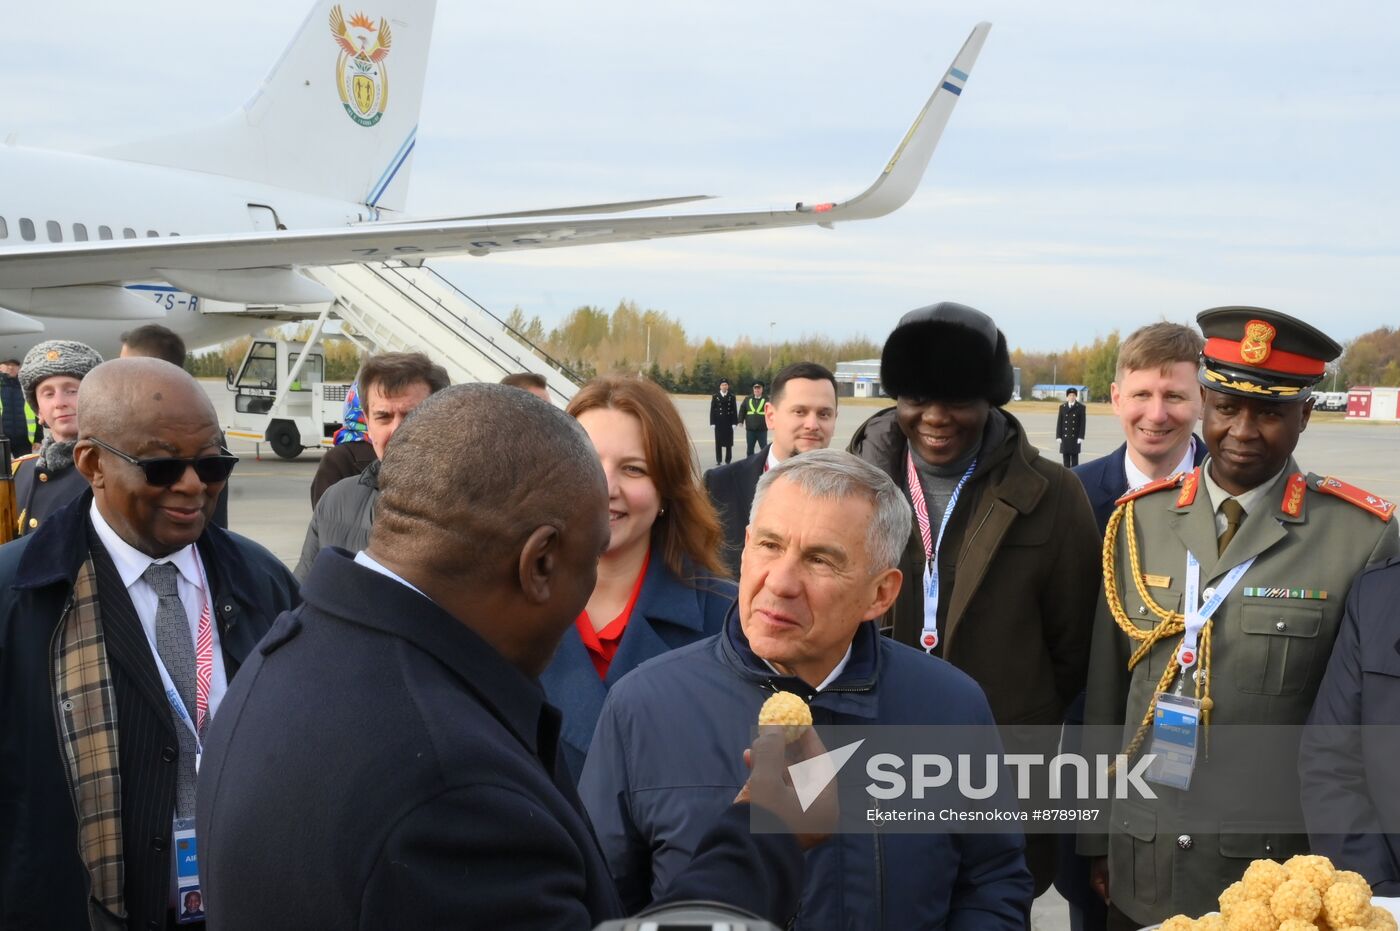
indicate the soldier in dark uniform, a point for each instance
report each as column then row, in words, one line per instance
column 46, row 480
column 1297, row 539
column 1069, row 428
column 724, row 414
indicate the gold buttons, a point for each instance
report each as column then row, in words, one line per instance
column 33, row 522
column 43, row 476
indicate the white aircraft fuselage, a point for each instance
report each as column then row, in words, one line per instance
column 64, row 197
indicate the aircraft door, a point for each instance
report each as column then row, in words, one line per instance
column 264, row 218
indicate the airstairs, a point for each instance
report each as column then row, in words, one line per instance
column 400, row 307
column 281, row 398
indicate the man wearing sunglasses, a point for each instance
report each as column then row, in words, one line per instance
column 123, row 617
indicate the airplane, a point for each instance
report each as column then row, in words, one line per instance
column 207, row 231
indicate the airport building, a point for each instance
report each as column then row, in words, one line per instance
column 859, row 379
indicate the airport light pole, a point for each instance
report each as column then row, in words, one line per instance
column 771, row 324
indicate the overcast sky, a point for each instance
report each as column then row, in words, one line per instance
column 1108, row 164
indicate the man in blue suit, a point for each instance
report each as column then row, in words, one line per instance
column 1158, row 400
column 390, row 746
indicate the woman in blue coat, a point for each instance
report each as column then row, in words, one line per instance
column 661, row 584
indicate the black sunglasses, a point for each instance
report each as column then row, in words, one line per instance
column 167, row 470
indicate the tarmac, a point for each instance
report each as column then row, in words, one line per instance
column 270, row 497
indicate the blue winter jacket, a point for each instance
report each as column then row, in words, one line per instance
column 667, row 757
column 670, row 612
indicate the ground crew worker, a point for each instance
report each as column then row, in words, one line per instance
column 755, row 411
column 1224, row 589
column 46, row 480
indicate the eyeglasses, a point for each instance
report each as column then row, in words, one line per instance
column 167, row 470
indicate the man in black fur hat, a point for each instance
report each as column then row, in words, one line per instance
column 1001, row 571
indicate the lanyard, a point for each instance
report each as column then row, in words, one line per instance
column 1197, row 613
column 203, row 668
column 928, row 639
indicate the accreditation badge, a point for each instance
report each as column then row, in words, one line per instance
column 1175, row 723
column 189, row 898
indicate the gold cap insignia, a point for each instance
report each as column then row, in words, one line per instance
column 1256, row 346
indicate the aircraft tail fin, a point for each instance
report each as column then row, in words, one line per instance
column 336, row 116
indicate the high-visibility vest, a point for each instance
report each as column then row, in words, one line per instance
column 750, row 410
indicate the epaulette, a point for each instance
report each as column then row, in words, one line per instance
column 15, row 463
column 1171, row 481
column 1372, row 504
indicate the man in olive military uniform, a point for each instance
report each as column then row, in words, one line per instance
column 46, row 480
column 1300, row 538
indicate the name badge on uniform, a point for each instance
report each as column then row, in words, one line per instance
column 189, row 899
column 1175, row 723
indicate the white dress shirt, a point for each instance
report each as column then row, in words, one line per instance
column 131, row 563
column 1137, row 478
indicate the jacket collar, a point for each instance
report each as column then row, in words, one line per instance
column 370, row 476
column 858, row 680
column 358, row 595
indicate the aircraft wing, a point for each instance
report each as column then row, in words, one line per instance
column 61, row 264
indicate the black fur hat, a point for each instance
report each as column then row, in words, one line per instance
column 947, row 352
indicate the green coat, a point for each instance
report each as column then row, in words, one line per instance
column 1267, row 659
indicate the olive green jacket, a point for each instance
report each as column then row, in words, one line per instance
column 1267, row 658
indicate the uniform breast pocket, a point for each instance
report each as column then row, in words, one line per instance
column 1279, row 648
column 1145, row 620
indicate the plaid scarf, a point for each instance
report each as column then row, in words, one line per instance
column 82, row 683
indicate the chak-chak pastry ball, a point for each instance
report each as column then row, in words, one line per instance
column 1251, row 915
column 1317, row 871
column 788, row 710
column 1353, row 877
column 1346, row 903
column 1263, row 877
column 1381, row 920
column 1295, row 898
column 1178, row 923
column 1211, row 923
column 1297, row 924
column 1234, row 894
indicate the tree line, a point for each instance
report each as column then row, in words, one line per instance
column 591, row 341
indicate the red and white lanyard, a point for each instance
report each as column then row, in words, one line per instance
column 928, row 639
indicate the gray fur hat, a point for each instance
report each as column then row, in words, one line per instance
column 55, row 357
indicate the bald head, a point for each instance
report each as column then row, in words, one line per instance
column 494, row 504
column 475, row 469
column 131, row 410
column 123, row 399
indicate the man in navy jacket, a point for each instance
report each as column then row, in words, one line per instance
column 387, row 759
column 1351, row 791
column 802, row 416
column 820, row 562
column 1158, row 401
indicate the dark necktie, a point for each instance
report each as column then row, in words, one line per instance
column 176, row 648
column 1234, row 515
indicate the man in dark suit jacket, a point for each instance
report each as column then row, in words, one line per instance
column 406, row 690
column 96, row 761
column 1350, row 788
column 1158, row 402
column 1069, row 428
column 802, row 416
